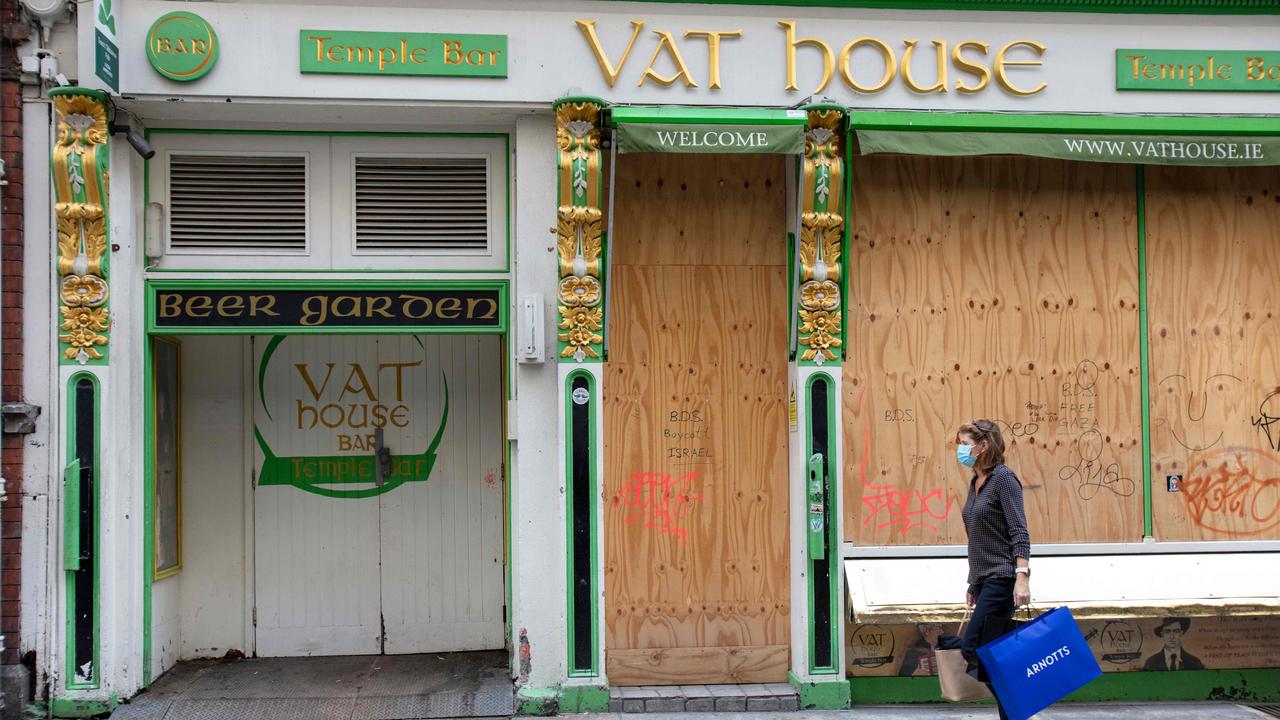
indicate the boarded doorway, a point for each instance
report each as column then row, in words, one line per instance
column 697, row 585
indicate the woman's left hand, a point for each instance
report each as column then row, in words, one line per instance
column 1021, row 591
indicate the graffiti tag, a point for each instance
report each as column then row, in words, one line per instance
column 661, row 500
column 1234, row 491
column 1090, row 475
column 1265, row 420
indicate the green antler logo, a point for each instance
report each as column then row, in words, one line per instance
column 339, row 405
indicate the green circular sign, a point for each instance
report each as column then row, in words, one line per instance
column 182, row 46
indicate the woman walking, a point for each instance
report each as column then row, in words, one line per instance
column 999, row 545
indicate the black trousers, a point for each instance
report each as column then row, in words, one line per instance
column 992, row 617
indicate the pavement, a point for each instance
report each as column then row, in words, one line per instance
column 1073, row 711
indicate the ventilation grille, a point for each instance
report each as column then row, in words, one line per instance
column 238, row 202
column 421, row 204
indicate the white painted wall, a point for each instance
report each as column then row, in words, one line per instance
column 537, row 484
column 212, row 596
column 259, row 54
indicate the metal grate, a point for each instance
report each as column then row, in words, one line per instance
column 1272, row 710
column 238, row 202
column 421, row 204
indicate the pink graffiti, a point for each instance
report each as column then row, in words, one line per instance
column 890, row 506
column 490, row 479
column 661, row 500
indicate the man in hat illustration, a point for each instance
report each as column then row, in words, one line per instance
column 1172, row 656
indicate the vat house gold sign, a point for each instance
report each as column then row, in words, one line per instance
column 865, row 65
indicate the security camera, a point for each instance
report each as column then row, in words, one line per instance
column 135, row 138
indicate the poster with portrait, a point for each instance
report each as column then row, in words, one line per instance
column 166, row 441
column 1119, row 644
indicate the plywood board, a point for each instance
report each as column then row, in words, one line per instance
column 1000, row 288
column 695, row 461
column 1214, row 319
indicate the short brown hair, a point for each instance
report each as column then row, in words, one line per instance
column 978, row 431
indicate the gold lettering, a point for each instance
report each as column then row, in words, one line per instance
column 1001, row 65
column 262, row 304
column 666, row 40
column 473, row 302
column 713, row 51
column 886, row 54
column 230, row 306
column 398, row 417
column 306, row 378
column 311, row 315
column 965, row 65
column 386, row 55
column 201, row 46
column 335, row 53
column 1136, row 60
column 345, row 306
column 1255, row 68
column 164, row 45
column 360, row 54
column 404, row 51
column 319, row 41
column 408, row 304
column 180, row 48
column 452, row 52
column 377, row 305
column 400, row 367
column 199, row 306
column 416, row 52
column 588, row 28
column 357, row 373
column 493, row 57
column 941, row 52
column 828, row 59
column 475, row 57
column 448, row 304
column 1149, row 71
column 170, row 304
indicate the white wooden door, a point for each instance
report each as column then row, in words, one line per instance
column 348, row 564
column 442, row 581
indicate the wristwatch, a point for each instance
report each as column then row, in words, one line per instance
column 1025, row 570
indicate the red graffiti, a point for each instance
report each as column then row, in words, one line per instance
column 491, row 479
column 661, row 500
column 1234, row 491
column 890, row 506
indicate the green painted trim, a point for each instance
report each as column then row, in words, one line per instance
column 148, row 501
column 592, row 422
column 830, row 488
column 537, row 701
column 1150, row 7
column 508, row 160
column 1053, row 122
column 579, row 99
column 821, row 694
column 640, row 114
column 70, row 607
column 154, row 286
column 75, row 708
column 584, row 699
column 1261, row 685
column 1144, row 351
column 846, row 245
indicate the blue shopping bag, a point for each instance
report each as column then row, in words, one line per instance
column 1039, row 663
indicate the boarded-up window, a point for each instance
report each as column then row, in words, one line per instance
column 1001, row 288
column 1213, row 240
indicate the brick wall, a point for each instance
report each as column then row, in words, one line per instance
column 14, row 31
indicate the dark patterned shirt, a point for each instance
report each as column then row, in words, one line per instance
column 996, row 524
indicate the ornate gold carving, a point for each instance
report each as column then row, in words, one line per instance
column 80, row 184
column 579, row 231
column 821, row 237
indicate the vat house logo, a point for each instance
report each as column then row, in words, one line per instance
column 350, row 420
column 182, row 46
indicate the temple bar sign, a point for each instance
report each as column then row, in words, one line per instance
column 252, row 308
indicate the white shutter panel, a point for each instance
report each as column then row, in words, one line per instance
column 413, row 204
column 238, row 203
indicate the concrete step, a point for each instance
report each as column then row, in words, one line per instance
column 760, row 697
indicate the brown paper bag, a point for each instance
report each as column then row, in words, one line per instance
column 958, row 685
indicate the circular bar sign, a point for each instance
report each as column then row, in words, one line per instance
column 182, row 46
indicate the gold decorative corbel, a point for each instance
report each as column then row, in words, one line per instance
column 579, row 231
column 80, row 176
column 821, row 237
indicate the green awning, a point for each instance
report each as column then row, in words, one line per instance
column 1130, row 149
column 709, row 130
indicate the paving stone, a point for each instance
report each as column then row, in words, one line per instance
column 720, row 691
column 695, row 691
column 633, row 705
column 781, row 689
column 669, row 691
column 755, row 690
column 643, row 692
column 789, row 704
column 615, row 705
column 615, row 692
column 664, row 705
column 762, row 704
column 701, row 704
column 731, row 704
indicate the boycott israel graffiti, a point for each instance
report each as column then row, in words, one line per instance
column 321, row 401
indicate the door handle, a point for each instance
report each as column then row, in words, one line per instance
column 381, row 458
column 817, row 520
